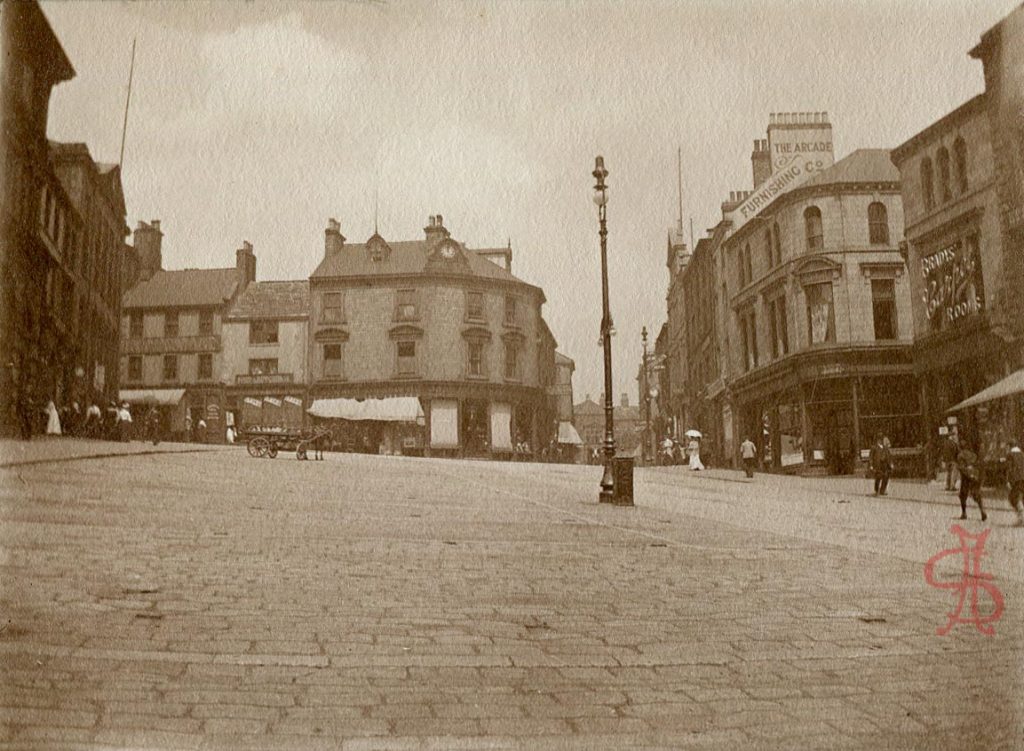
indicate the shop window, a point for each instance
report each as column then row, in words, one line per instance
column 170, row 367
column 878, row 224
column 135, row 368
column 960, row 159
column 205, row 367
column 406, row 305
column 170, row 325
column 263, row 332
column 263, row 366
column 205, row 323
column 332, row 360
column 476, row 358
column 942, row 161
column 332, row 310
column 407, row 358
column 475, row 306
column 927, row 187
column 135, row 324
column 512, row 361
column 813, row 228
column 511, row 311
column 821, row 321
column 883, row 307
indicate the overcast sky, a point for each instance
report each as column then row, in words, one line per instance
column 258, row 122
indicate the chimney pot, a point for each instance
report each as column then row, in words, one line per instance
column 440, row 220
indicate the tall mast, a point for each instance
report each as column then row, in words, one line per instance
column 679, row 176
column 128, row 101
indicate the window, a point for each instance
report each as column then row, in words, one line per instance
column 511, row 311
column 170, row 325
column 406, row 308
column 170, row 367
column 135, row 368
column 769, row 253
column 263, row 366
column 135, row 324
column 960, row 159
column 748, row 338
column 878, row 224
column 883, row 307
column 741, row 267
column 779, row 326
column 476, row 358
column 944, row 183
column 776, row 244
column 262, row 332
column 812, row 227
column 205, row 323
column 475, row 306
column 332, row 360
column 512, row 360
column 406, row 358
column 821, row 322
column 205, row 369
column 927, row 190
column 333, row 310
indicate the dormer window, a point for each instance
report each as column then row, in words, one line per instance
column 378, row 248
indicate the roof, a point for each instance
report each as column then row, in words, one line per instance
column 561, row 359
column 406, row 257
column 587, row 407
column 861, row 166
column 272, row 300
column 34, row 37
column 970, row 107
column 184, row 288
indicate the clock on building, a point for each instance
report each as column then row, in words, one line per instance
column 448, row 250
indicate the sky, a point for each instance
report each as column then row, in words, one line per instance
column 253, row 121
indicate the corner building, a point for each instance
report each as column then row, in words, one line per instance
column 435, row 320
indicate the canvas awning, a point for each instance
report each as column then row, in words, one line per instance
column 390, row 409
column 567, row 434
column 1009, row 386
column 159, row 397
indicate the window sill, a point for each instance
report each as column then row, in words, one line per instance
column 471, row 377
column 408, row 376
column 264, row 344
column 513, row 380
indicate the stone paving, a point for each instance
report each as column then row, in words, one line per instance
column 213, row 601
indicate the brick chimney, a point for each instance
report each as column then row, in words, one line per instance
column 245, row 263
column 334, row 241
column 147, row 240
column 761, row 161
column 435, row 230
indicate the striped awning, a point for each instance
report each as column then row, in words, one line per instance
column 390, row 409
column 159, row 397
column 567, row 434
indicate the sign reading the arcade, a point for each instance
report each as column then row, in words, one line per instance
column 954, row 288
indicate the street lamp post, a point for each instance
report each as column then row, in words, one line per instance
column 648, row 451
column 607, row 494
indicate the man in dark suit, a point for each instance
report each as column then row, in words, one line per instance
column 880, row 461
column 970, row 481
column 1015, row 479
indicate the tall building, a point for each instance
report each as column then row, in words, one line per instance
column 171, row 333
column 32, row 62
column 435, row 322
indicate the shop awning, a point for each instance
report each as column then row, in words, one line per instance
column 159, row 397
column 567, row 434
column 1009, row 386
column 390, row 409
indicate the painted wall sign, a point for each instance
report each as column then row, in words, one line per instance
column 954, row 288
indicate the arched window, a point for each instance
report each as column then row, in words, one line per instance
column 927, row 190
column 960, row 159
column 812, row 225
column 768, row 254
column 878, row 224
column 942, row 160
column 777, row 243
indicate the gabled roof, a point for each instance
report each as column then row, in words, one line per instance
column 587, row 407
column 272, row 300
column 861, row 166
column 184, row 288
column 406, row 257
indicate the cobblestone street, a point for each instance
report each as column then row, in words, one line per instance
column 211, row 600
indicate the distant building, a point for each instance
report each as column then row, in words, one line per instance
column 264, row 338
column 628, row 426
column 441, row 323
column 33, row 306
column 171, row 333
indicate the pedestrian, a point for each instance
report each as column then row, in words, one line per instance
column 1015, row 480
column 970, row 481
column 93, row 420
column 52, row 419
column 124, row 421
column 201, row 430
column 748, row 451
column 153, row 425
column 950, row 449
column 880, row 462
column 26, row 410
column 693, row 449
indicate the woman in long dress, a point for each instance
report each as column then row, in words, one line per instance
column 52, row 419
column 693, row 449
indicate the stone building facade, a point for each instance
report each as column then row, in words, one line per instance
column 434, row 320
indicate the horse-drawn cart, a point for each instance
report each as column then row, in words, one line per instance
column 269, row 442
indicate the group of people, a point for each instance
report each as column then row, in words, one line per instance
column 963, row 463
column 113, row 423
column 672, row 452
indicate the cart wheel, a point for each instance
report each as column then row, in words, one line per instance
column 262, row 446
column 252, row 448
column 272, row 451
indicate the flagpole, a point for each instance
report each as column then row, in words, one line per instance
column 128, row 100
